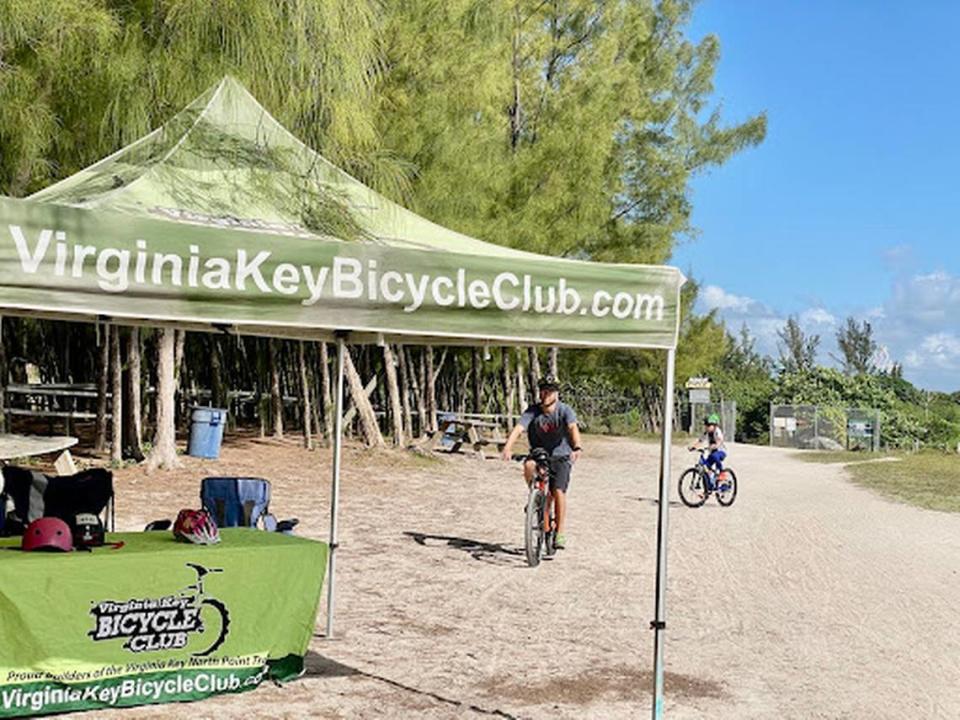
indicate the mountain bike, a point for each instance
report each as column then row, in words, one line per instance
column 698, row 482
column 539, row 531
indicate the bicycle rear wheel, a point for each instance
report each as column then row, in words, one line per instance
column 533, row 526
column 726, row 491
column 693, row 491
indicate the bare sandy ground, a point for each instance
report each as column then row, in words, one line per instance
column 808, row 598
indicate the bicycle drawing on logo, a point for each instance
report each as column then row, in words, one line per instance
column 216, row 618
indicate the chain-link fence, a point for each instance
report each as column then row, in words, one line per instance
column 813, row 427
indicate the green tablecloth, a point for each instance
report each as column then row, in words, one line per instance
column 127, row 626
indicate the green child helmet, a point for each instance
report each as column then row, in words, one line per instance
column 712, row 419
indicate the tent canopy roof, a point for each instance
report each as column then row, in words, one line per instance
column 222, row 218
column 225, row 156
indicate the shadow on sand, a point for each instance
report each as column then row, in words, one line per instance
column 655, row 502
column 494, row 553
column 319, row 666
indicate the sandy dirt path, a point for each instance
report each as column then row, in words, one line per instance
column 809, row 598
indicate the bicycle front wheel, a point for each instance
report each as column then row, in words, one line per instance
column 727, row 488
column 216, row 624
column 692, row 489
column 533, row 526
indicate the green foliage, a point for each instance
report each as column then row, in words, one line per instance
column 81, row 78
column 571, row 128
column 857, row 347
column 568, row 128
column 628, row 423
column 903, row 421
column 744, row 376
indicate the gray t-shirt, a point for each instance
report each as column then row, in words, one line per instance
column 550, row 431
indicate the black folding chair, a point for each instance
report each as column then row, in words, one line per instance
column 37, row 495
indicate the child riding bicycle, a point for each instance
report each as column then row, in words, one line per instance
column 713, row 440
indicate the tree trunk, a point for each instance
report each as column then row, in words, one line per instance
column 116, row 389
column 521, row 386
column 462, row 384
column 476, row 370
column 103, row 374
column 534, row 359
column 134, row 405
column 179, row 375
column 164, row 452
column 180, row 340
column 368, row 420
column 415, row 370
column 405, row 373
column 396, row 413
column 305, row 390
column 431, row 389
column 276, row 400
column 327, row 402
column 218, row 394
column 552, row 361
column 506, row 383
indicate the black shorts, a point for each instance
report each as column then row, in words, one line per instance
column 560, row 468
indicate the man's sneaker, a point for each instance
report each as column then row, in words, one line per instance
column 561, row 541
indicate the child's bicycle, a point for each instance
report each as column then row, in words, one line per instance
column 698, row 482
column 539, row 533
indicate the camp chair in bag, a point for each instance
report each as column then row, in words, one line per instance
column 241, row 502
column 36, row 495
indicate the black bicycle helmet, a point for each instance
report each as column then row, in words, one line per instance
column 549, row 382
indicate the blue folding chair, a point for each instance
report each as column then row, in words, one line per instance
column 241, row 502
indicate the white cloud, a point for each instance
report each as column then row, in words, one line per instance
column 716, row 298
column 817, row 316
column 762, row 321
column 939, row 351
column 918, row 325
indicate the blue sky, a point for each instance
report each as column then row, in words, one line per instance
column 852, row 204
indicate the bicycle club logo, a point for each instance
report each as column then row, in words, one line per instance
column 165, row 623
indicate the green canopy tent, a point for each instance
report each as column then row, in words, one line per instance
column 221, row 220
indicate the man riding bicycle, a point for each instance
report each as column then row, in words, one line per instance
column 551, row 425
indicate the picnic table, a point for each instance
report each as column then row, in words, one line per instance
column 457, row 431
column 13, row 445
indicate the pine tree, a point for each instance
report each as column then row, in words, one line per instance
column 798, row 351
column 570, row 127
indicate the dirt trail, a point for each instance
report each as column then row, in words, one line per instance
column 809, row 598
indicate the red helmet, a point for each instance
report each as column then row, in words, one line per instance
column 47, row 533
column 196, row 526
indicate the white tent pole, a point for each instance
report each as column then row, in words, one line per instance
column 335, row 489
column 659, row 624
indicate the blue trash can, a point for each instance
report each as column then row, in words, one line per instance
column 206, row 432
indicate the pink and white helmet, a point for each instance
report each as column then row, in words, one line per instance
column 196, row 526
